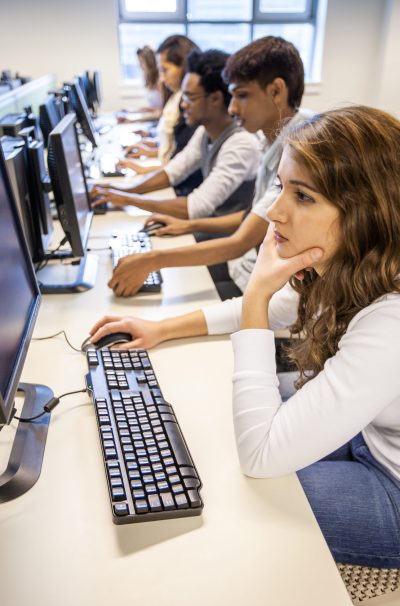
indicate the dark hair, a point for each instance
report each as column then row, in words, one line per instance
column 352, row 155
column 266, row 59
column 149, row 69
column 209, row 66
column 177, row 49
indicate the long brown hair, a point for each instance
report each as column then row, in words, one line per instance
column 149, row 66
column 353, row 158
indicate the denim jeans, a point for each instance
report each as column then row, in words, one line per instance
column 356, row 502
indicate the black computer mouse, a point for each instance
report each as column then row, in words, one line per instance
column 151, row 229
column 108, row 341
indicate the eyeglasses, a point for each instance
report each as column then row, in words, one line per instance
column 190, row 98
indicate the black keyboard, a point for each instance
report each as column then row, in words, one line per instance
column 128, row 243
column 150, row 472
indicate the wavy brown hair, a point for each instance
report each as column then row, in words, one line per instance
column 353, row 158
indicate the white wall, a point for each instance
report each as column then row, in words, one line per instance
column 360, row 59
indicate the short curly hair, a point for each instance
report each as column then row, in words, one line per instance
column 209, row 66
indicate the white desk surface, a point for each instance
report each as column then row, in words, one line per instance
column 257, row 541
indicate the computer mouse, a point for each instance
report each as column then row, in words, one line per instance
column 108, row 341
column 151, row 228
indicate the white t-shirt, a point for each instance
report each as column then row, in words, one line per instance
column 237, row 161
column 265, row 194
column 357, row 390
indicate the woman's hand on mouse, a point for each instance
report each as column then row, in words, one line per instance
column 145, row 333
column 172, row 225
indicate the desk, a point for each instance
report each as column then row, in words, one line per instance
column 257, row 542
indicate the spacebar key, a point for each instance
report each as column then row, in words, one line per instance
column 178, row 446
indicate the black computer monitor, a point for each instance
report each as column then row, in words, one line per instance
column 72, row 200
column 81, row 109
column 15, row 159
column 26, row 170
column 69, row 184
column 50, row 114
column 96, row 93
column 85, row 84
column 19, row 306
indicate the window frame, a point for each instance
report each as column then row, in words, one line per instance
column 314, row 14
column 259, row 17
column 151, row 17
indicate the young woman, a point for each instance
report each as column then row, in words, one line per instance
column 172, row 132
column 329, row 268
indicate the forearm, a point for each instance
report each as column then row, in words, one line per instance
column 157, row 180
column 202, row 253
column 176, row 207
column 227, row 224
column 188, row 325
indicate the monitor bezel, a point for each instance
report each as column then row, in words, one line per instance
column 7, row 398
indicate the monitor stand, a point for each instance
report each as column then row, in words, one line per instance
column 66, row 278
column 25, row 462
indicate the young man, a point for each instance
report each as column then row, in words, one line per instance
column 225, row 152
column 266, row 82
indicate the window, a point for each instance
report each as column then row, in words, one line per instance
column 217, row 24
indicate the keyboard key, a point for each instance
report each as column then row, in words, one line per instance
column 118, row 494
column 121, row 509
column 154, row 502
column 181, row 501
column 177, row 444
column 167, row 501
column 191, row 482
column 194, row 498
column 141, row 507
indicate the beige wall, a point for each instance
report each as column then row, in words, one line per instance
column 360, row 61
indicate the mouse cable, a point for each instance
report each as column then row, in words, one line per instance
column 61, row 332
column 51, row 404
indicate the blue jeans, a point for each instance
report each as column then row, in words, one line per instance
column 356, row 502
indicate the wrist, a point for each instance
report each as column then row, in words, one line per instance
column 254, row 310
column 154, row 259
column 168, row 329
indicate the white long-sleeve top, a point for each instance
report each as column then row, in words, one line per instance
column 357, row 390
column 237, row 161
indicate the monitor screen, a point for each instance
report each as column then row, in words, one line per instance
column 69, row 184
column 19, row 299
column 81, row 109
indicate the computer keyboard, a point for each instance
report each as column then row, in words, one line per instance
column 150, row 472
column 128, row 243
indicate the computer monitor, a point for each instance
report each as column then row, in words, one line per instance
column 81, row 109
column 15, row 159
column 72, row 200
column 85, row 84
column 50, row 114
column 19, row 306
column 27, row 173
column 97, row 89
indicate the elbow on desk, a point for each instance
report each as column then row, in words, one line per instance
column 258, row 464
